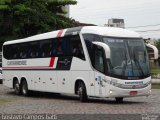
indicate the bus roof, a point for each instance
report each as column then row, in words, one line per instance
column 110, row 31
column 105, row 31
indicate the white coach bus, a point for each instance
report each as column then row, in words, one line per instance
column 88, row 61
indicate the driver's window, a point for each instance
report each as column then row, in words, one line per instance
column 99, row 60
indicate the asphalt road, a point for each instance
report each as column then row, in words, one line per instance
column 54, row 104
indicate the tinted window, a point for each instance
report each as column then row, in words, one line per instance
column 89, row 38
column 57, row 47
column 76, row 48
column 92, row 37
column 33, row 51
column 99, row 59
column 46, row 48
column 23, row 51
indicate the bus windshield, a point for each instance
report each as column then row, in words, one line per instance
column 128, row 58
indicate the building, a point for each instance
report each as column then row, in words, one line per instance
column 114, row 22
column 66, row 9
column 151, row 51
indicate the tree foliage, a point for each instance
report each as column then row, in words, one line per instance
column 157, row 43
column 22, row 18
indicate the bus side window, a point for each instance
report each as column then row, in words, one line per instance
column 15, row 52
column 8, row 51
column 89, row 38
column 99, row 58
column 33, row 53
column 46, row 46
column 92, row 37
column 23, row 51
column 59, row 49
column 76, row 47
column 52, row 48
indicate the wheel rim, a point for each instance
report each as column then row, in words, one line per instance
column 24, row 89
column 80, row 91
column 16, row 88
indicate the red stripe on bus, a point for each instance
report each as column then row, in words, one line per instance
column 28, row 67
column 60, row 33
column 52, row 62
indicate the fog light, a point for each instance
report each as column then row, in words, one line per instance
column 110, row 91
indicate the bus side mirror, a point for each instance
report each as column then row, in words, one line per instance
column 155, row 50
column 105, row 47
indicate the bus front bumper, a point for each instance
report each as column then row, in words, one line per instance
column 129, row 92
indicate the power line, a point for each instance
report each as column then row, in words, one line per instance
column 144, row 26
column 120, row 7
column 149, row 33
column 149, row 30
column 120, row 13
column 100, row 10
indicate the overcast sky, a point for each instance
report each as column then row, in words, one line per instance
column 134, row 12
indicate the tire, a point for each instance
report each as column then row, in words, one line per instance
column 82, row 92
column 119, row 99
column 24, row 88
column 16, row 87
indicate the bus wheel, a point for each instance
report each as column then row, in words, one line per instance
column 16, row 87
column 119, row 99
column 24, row 88
column 82, row 92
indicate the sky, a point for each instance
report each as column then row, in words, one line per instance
column 134, row 12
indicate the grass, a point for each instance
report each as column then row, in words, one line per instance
column 155, row 70
column 3, row 101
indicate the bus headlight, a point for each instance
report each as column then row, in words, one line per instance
column 110, row 92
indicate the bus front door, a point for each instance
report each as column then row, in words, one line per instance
column 99, row 65
column 100, row 90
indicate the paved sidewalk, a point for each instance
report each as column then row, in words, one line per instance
column 155, row 80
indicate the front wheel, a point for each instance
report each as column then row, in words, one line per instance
column 119, row 99
column 24, row 87
column 82, row 92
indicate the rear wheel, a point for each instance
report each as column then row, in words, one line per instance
column 119, row 99
column 24, row 87
column 82, row 92
column 16, row 87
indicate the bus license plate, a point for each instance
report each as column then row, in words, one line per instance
column 133, row 93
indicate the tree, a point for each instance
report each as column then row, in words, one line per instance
column 157, row 43
column 23, row 18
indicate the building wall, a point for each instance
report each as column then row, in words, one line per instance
column 66, row 8
column 116, row 23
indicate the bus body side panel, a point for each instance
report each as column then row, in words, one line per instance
column 51, row 81
column 45, row 80
column 67, row 78
column 65, row 83
column 83, row 76
column 8, row 78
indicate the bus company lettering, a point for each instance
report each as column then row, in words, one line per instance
column 17, row 62
column 139, row 82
